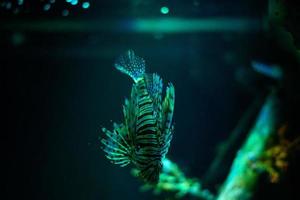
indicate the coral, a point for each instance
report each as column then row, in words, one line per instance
column 253, row 158
column 173, row 180
column 274, row 160
column 242, row 179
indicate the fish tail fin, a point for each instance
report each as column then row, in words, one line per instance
column 132, row 65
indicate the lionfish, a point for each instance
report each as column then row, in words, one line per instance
column 144, row 137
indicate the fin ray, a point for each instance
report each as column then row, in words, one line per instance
column 115, row 145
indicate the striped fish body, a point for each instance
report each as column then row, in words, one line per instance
column 148, row 148
column 144, row 137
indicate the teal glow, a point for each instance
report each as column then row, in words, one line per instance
column 17, row 39
column 8, row 5
column 74, row 2
column 272, row 71
column 85, row 5
column 65, row 13
column 254, row 148
column 167, row 164
column 16, row 11
column 47, row 7
column 164, row 10
column 68, row 1
column 179, row 25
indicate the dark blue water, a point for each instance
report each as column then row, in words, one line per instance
column 61, row 88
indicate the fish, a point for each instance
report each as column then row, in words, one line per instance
column 143, row 138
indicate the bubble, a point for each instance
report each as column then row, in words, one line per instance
column 196, row 3
column 47, row 7
column 8, row 5
column 74, row 2
column 17, row 39
column 164, row 10
column 65, row 13
column 20, row 2
column 85, row 5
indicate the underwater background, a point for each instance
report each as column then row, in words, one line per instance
column 60, row 89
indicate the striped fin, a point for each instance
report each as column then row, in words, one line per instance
column 167, row 112
column 168, row 107
column 130, row 112
column 154, row 87
column 116, row 146
column 132, row 65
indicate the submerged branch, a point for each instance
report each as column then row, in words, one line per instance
column 238, row 132
column 243, row 176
